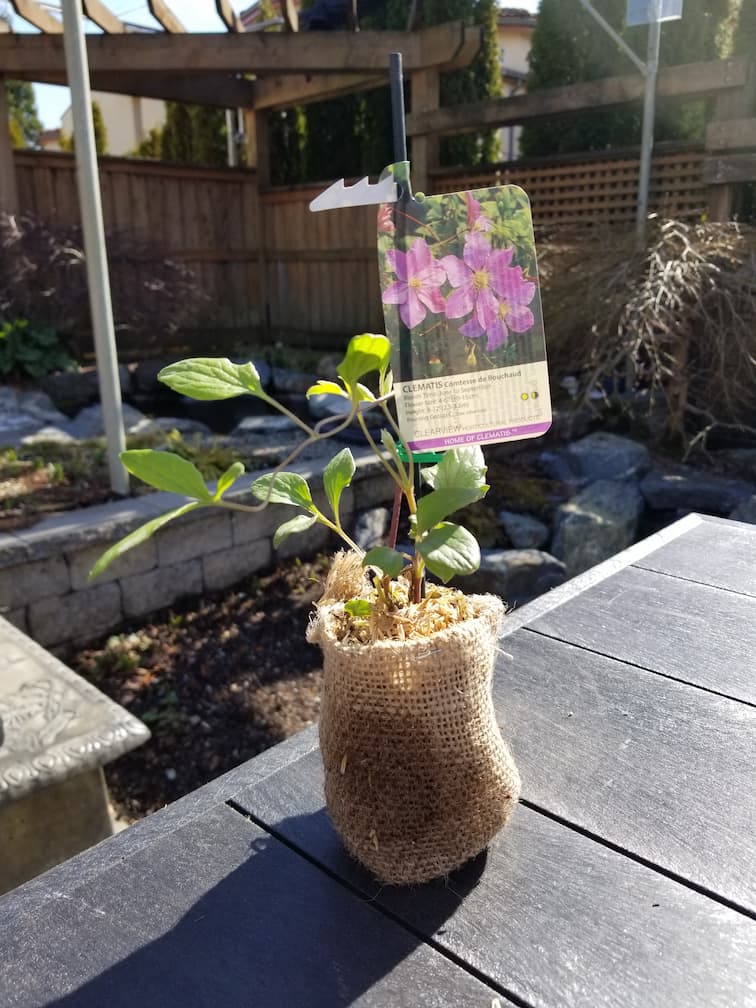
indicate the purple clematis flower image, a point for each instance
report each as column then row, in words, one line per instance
column 417, row 289
column 495, row 294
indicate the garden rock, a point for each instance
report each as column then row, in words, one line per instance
column 328, row 366
column 523, row 531
column 517, row 576
column 185, row 426
column 49, row 434
column 687, row 489
column 371, row 527
column 40, row 406
column 743, row 460
column 598, row 456
column 746, row 511
column 70, row 391
column 599, row 522
column 292, row 381
column 89, row 422
column 263, row 425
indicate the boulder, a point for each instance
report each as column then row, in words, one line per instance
column 186, row 427
column 516, row 575
column 600, row 521
column 270, row 424
column 89, row 422
column 52, row 433
column 38, row 405
column 686, row 489
column 598, row 456
column 743, row 461
column 523, row 531
column 291, row 381
column 371, row 527
column 70, row 391
column 746, row 511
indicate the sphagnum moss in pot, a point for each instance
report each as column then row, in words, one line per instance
column 418, row 779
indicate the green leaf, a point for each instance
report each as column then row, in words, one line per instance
column 365, row 353
column 284, row 488
column 138, row 536
column 439, row 504
column 209, row 378
column 299, row 523
column 358, row 607
column 387, row 560
column 450, row 550
column 459, row 467
column 166, row 471
column 229, row 477
column 337, row 476
column 323, row 387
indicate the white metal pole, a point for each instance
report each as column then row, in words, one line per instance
column 77, row 70
column 649, row 111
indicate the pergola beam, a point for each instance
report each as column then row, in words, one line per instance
column 443, row 47
column 217, row 90
column 299, row 89
column 37, row 16
column 103, row 17
column 228, row 16
column 165, row 16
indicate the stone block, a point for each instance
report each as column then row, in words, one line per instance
column 134, row 561
column 226, row 567
column 517, row 576
column 373, row 489
column 144, row 593
column 600, row 521
column 18, row 618
column 208, row 532
column 78, row 616
column 598, row 456
column 29, row 582
column 524, row 531
column 746, row 511
column 305, row 544
column 688, row 489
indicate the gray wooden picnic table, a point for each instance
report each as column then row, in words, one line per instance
column 625, row 878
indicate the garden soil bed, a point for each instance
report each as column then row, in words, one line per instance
column 217, row 679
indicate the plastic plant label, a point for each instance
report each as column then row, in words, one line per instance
column 459, row 286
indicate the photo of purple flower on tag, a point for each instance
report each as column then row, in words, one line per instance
column 459, row 286
column 459, row 278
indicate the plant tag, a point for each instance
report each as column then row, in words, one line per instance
column 459, row 285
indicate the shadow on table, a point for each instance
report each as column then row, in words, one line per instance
column 275, row 931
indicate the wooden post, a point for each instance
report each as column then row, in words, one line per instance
column 424, row 153
column 8, row 188
column 736, row 104
column 258, row 146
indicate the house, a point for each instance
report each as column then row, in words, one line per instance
column 515, row 29
column 128, row 120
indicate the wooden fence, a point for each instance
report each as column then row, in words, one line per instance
column 600, row 189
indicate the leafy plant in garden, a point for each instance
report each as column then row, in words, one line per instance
column 446, row 549
column 450, row 302
column 27, row 352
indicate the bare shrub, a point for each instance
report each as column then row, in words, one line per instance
column 677, row 318
column 43, row 279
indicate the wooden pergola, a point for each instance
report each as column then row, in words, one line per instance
column 254, row 71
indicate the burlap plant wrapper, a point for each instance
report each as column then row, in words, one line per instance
column 418, row 779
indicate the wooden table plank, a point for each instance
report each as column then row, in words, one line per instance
column 717, row 552
column 549, row 915
column 698, row 634
column 659, row 768
column 216, row 913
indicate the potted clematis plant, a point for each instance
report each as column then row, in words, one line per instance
column 417, row 776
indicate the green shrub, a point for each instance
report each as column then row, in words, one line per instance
column 27, row 352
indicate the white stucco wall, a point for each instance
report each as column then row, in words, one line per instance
column 127, row 120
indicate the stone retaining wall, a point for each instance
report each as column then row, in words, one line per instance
column 43, row 570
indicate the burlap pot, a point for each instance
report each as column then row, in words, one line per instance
column 417, row 777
